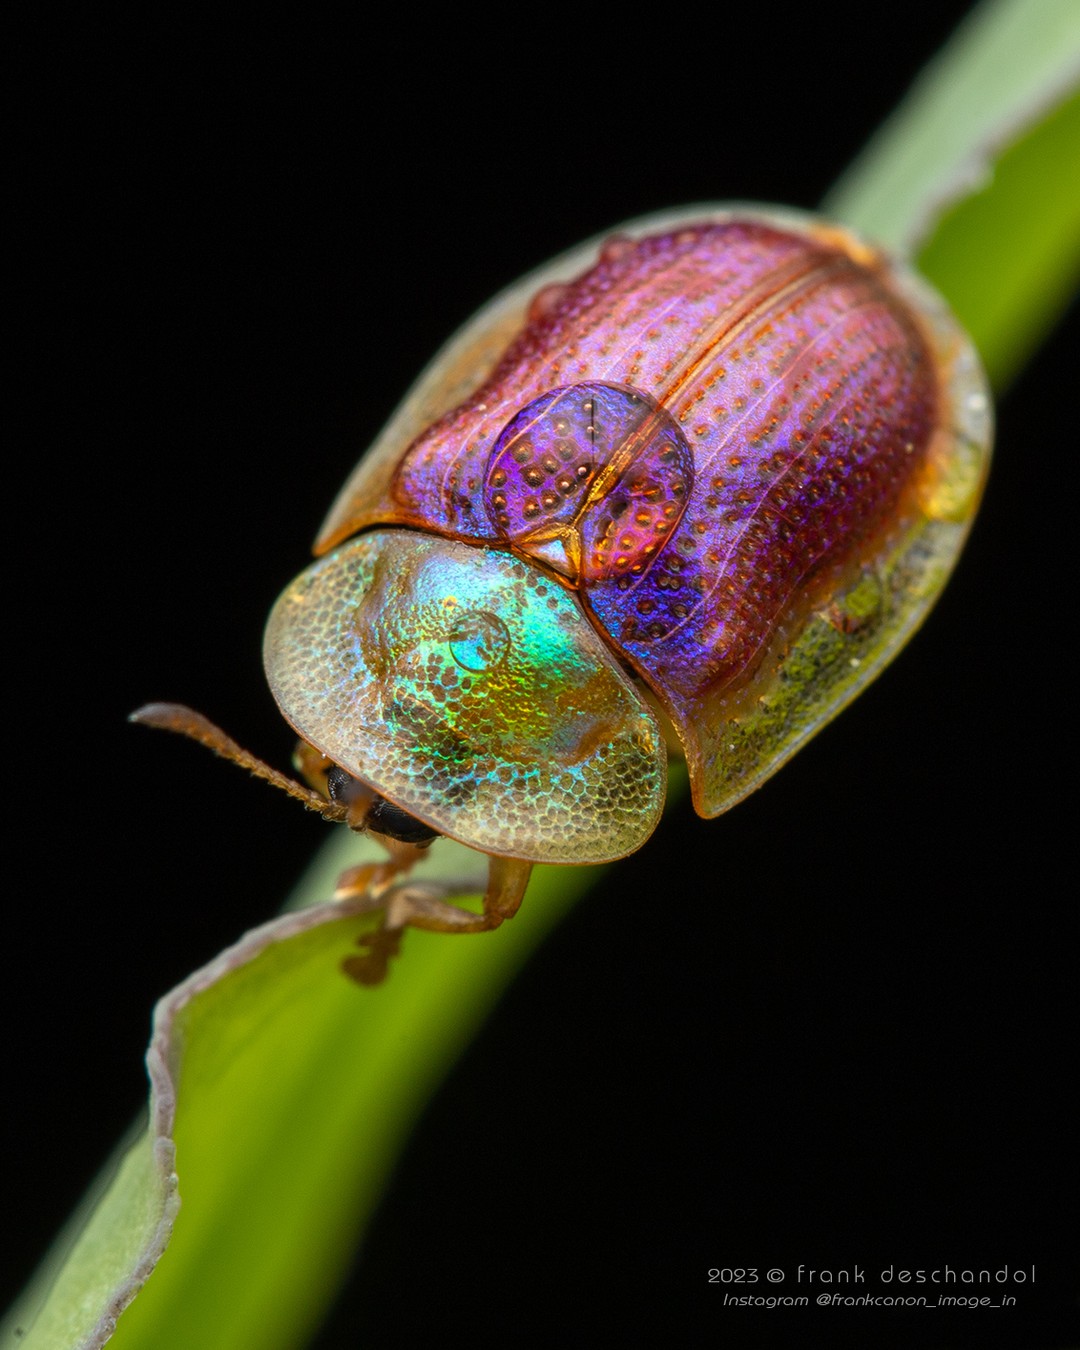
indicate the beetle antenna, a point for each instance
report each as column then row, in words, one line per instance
column 175, row 717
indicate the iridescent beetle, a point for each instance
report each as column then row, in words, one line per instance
column 713, row 473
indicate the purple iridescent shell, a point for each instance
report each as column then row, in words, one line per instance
column 730, row 438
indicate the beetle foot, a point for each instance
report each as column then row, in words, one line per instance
column 427, row 905
column 407, row 904
column 372, row 879
column 371, row 965
column 367, row 879
column 430, row 907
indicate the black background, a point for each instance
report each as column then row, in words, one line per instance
column 834, row 1027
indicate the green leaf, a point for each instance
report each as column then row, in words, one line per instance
column 108, row 1248
column 1008, row 257
column 1007, row 65
column 268, row 1069
column 288, row 1091
column 277, row 1059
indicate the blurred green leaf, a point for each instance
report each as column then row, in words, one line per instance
column 294, row 1089
column 1008, row 257
column 1006, row 66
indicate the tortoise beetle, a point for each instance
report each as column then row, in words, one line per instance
column 712, row 474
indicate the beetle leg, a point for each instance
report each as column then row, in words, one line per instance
column 507, row 881
column 374, row 878
column 417, row 905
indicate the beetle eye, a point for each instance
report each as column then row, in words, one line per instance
column 386, row 818
column 383, row 817
column 340, row 786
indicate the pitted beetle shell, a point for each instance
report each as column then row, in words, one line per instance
column 749, row 445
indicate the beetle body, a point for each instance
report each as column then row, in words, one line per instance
column 710, row 473
column 726, row 463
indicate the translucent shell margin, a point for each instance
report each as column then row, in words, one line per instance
column 754, row 597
